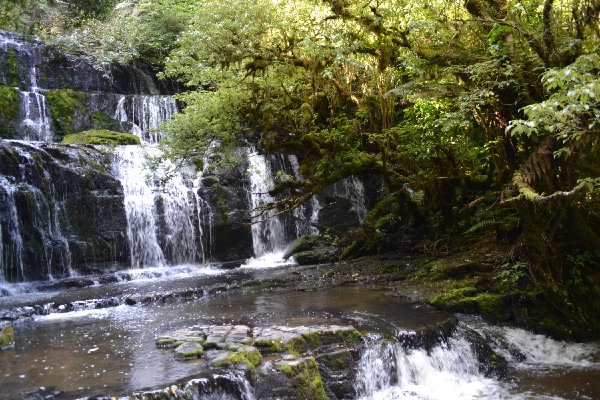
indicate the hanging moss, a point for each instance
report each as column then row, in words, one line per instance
column 9, row 110
column 101, row 137
column 65, row 104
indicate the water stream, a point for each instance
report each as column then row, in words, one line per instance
column 111, row 351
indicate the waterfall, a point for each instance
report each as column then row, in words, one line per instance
column 164, row 216
column 36, row 121
column 144, row 113
column 450, row 370
column 269, row 235
column 11, row 245
column 353, row 189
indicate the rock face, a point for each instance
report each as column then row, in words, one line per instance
column 60, row 209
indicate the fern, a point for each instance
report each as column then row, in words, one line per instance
column 480, row 225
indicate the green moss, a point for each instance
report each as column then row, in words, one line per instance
column 305, row 381
column 7, row 337
column 336, row 361
column 453, row 296
column 270, row 346
column 9, row 110
column 313, row 340
column 102, row 121
column 296, row 345
column 101, row 137
column 488, row 305
column 64, row 106
column 164, row 342
column 251, row 358
column 349, row 335
column 13, row 68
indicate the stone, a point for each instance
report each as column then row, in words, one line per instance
column 7, row 337
column 189, row 350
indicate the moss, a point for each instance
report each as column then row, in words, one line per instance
column 336, row 361
column 102, row 121
column 13, row 68
column 251, row 358
column 64, row 105
column 453, row 296
column 313, row 340
column 101, row 137
column 7, row 337
column 164, row 342
column 296, row 345
column 270, row 346
column 349, row 335
column 306, row 382
column 489, row 306
column 9, row 110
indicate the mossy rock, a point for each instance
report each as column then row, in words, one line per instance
column 305, row 380
column 7, row 337
column 9, row 110
column 189, row 350
column 303, row 243
column 452, row 297
column 248, row 356
column 296, row 345
column 101, row 121
column 313, row 340
column 101, row 137
column 65, row 104
column 268, row 346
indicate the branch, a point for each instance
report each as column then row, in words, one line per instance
column 345, row 91
column 528, row 193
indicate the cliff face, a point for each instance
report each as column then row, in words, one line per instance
column 60, row 210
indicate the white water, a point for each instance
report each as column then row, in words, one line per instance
column 12, row 257
column 145, row 113
column 450, row 370
column 268, row 236
column 164, row 217
column 36, row 122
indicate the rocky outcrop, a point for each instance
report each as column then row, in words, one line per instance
column 60, row 210
column 301, row 362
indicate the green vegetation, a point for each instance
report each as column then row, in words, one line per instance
column 9, row 109
column 65, row 106
column 306, row 381
column 101, row 137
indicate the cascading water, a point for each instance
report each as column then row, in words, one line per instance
column 164, row 217
column 269, row 235
column 12, row 252
column 144, row 113
column 450, row 370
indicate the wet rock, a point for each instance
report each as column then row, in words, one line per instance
column 7, row 337
column 491, row 364
column 428, row 336
column 303, row 243
column 188, row 351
